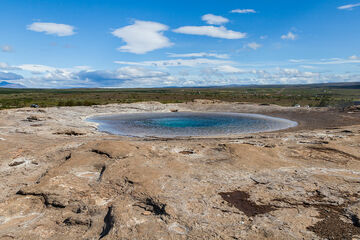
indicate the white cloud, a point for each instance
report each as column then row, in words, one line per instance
column 307, row 67
column 230, row 69
column 336, row 61
column 328, row 61
column 7, row 48
column 297, row 60
column 60, row 30
column 36, row 69
column 243, row 11
column 6, row 66
column 211, row 31
column 83, row 76
column 354, row 57
column 186, row 72
column 200, row 55
column 295, row 76
column 214, row 19
column 289, row 36
column 141, row 77
column 213, row 76
column 135, row 72
column 349, row 6
column 332, row 61
column 126, row 76
column 253, row 45
column 177, row 62
column 43, row 76
column 142, row 37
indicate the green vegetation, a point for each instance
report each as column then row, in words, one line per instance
column 321, row 96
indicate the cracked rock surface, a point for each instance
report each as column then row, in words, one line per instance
column 62, row 179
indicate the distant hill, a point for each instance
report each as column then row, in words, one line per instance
column 5, row 84
column 347, row 85
column 339, row 85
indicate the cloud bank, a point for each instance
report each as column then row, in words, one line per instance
column 177, row 62
column 180, row 72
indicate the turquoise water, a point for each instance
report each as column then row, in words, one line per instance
column 188, row 124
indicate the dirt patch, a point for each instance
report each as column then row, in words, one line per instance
column 332, row 227
column 32, row 119
column 153, row 206
column 240, row 200
column 69, row 133
column 101, row 153
column 187, row 152
column 71, row 221
column 335, row 224
column 45, row 198
column 16, row 163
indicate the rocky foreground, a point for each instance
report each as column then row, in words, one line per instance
column 62, row 179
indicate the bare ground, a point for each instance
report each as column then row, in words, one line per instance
column 62, row 179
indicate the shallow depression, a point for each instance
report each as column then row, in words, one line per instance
column 183, row 124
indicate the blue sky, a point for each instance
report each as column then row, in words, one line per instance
column 108, row 43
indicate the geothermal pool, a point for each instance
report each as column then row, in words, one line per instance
column 184, row 124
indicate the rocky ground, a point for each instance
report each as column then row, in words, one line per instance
column 62, row 179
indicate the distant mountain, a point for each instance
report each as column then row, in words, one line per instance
column 5, row 84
